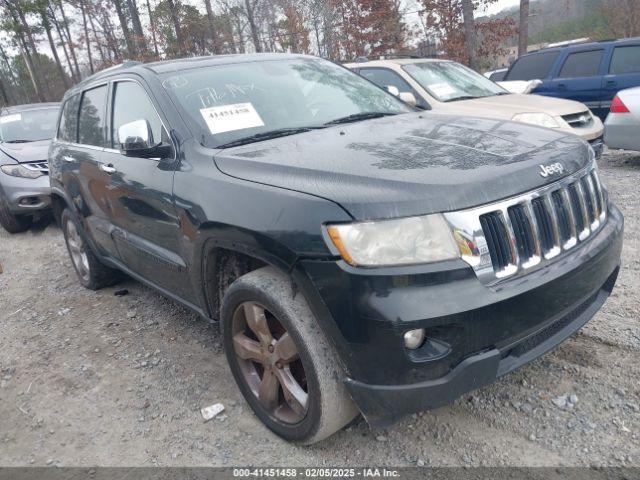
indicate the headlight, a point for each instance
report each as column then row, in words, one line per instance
column 20, row 171
column 540, row 119
column 403, row 241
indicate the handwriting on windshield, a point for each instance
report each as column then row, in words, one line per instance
column 211, row 96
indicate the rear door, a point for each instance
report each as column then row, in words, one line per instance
column 146, row 227
column 78, row 151
column 579, row 77
column 623, row 71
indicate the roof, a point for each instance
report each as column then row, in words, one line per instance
column 28, row 106
column 586, row 45
column 398, row 61
column 181, row 64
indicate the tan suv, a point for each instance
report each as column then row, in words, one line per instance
column 449, row 87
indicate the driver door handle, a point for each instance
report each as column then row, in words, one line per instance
column 109, row 169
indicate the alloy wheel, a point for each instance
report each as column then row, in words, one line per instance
column 77, row 250
column 270, row 363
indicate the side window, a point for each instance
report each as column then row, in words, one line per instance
column 131, row 103
column 384, row 77
column 532, row 67
column 92, row 111
column 68, row 128
column 581, row 64
column 625, row 60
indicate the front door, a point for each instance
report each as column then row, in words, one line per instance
column 146, row 229
column 580, row 79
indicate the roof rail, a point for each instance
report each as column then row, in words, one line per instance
column 398, row 56
column 566, row 43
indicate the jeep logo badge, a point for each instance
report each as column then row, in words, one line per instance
column 552, row 169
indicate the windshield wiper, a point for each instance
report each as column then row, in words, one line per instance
column 280, row 132
column 463, row 97
column 18, row 141
column 356, row 117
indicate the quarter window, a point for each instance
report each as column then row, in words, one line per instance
column 625, row 59
column 92, row 111
column 131, row 103
column 581, row 64
column 532, row 67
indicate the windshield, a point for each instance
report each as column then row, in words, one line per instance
column 450, row 81
column 236, row 101
column 28, row 125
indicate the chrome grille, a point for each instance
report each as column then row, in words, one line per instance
column 579, row 120
column 41, row 166
column 513, row 236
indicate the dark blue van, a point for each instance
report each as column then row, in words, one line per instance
column 591, row 73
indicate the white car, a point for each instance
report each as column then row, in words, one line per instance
column 449, row 87
column 622, row 126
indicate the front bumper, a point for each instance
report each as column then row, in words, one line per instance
column 475, row 333
column 25, row 195
column 598, row 146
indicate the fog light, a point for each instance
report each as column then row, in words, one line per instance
column 414, row 338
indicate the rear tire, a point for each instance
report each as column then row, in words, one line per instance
column 287, row 371
column 92, row 273
column 13, row 223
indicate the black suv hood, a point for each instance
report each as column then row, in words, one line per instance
column 27, row 152
column 409, row 164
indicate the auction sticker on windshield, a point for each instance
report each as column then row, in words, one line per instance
column 227, row 118
column 442, row 89
column 16, row 117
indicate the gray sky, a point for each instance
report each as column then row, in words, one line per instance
column 499, row 5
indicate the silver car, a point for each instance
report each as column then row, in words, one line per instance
column 25, row 134
column 622, row 127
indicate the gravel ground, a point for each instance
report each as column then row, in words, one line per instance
column 89, row 378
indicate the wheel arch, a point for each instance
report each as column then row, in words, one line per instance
column 233, row 254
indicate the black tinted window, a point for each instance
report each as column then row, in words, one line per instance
column 625, row 60
column 497, row 76
column 68, row 129
column 581, row 64
column 92, row 111
column 131, row 103
column 532, row 67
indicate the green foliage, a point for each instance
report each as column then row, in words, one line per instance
column 592, row 26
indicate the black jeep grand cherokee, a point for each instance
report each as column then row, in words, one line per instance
column 360, row 256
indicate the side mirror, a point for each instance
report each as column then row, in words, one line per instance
column 135, row 135
column 408, row 98
column 393, row 90
column 136, row 140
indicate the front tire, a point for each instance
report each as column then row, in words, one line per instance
column 282, row 362
column 13, row 223
column 92, row 273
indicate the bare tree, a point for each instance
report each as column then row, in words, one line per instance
column 470, row 33
column 86, row 35
column 523, row 31
column 41, row 7
column 250, row 10
column 212, row 27
column 140, row 39
column 72, row 49
column 131, row 50
column 152, row 24
column 176, row 26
